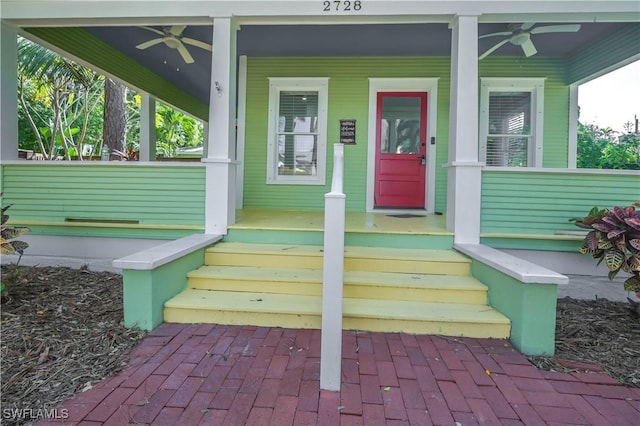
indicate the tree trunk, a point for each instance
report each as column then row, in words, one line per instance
column 114, row 127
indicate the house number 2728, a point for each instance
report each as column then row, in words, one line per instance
column 341, row 5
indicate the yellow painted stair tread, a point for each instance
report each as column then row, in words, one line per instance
column 380, row 279
column 350, row 251
column 279, row 249
column 260, row 273
column 422, row 311
column 396, row 279
column 311, row 305
column 405, row 254
column 246, row 302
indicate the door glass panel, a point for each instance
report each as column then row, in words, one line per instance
column 400, row 125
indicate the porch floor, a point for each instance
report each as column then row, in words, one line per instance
column 355, row 222
column 236, row 375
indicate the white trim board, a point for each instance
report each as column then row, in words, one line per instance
column 241, row 123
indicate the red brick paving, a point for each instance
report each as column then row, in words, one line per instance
column 235, row 375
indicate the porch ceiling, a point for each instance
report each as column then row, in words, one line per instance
column 193, row 80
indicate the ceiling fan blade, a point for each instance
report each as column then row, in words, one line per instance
column 528, row 48
column 493, row 49
column 185, row 53
column 176, row 30
column 526, row 25
column 153, row 30
column 197, row 43
column 503, row 33
column 149, row 43
column 568, row 28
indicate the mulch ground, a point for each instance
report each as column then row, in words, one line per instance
column 62, row 332
column 599, row 332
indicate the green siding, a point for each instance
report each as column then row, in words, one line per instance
column 521, row 202
column 349, row 98
column 160, row 197
column 609, row 51
column 90, row 48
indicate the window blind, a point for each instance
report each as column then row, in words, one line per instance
column 509, row 134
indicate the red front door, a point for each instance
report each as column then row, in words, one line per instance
column 401, row 134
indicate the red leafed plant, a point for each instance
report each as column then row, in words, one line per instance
column 129, row 154
column 614, row 239
column 8, row 233
column 9, row 245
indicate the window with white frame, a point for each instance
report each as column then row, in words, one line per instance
column 297, row 128
column 511, row 111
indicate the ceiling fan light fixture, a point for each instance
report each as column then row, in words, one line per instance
column 520, row 35
column 173, row 38
column 171, row 42
column 520, row 38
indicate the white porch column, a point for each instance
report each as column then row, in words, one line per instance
column 464, row 171
column 572, row 157
column 220, row 166
column 8, row 93
column 147, row 128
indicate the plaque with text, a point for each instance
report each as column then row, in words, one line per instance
column 348, row 132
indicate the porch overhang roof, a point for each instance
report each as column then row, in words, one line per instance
column 108, row 44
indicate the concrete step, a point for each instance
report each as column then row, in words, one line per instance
column 304, row 311
column 358, row 284
column 371, row 259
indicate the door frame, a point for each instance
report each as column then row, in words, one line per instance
column 428, row 85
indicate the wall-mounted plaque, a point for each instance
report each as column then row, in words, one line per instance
column 348, row 132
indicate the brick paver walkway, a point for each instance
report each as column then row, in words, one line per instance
column 234, row 375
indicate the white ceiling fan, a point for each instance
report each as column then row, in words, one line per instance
column 172, row 37
column 520, row 35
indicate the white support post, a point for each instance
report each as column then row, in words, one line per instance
column 464, row 170
column 242, row 114
column 572, row 149
column 333, row 278
column 220, row 168
column 147, row 128
column 8, row 93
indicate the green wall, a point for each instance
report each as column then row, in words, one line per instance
column 349, row 98
column 521, row 202
column 146, row 291
column 531, row 307
column 57, row 198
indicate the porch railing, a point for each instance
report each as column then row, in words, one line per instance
column 541, row 201
column 100, row 198
column 333, row 276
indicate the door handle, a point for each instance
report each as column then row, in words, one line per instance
column 423, row 160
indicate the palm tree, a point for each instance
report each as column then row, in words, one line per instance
column 114, row 125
